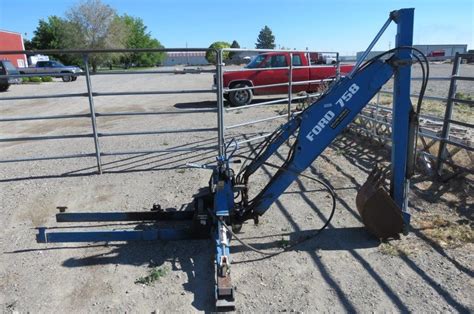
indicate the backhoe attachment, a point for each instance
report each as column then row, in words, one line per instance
column 379, row 213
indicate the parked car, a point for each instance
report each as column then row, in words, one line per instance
column 7, row 68
column 271, row 68
column 469, row 58
column 53, row 67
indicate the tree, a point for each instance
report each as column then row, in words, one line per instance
column 92, row 24
column 235, row 44
column 49, row 34
column 55, row 33
column 265, row 39
column 97, row 26
column 28, row 44
column 211, row 54
column 138, row 37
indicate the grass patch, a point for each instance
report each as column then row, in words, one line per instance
column 155, row 274
column 445, row 233
column 35, row 79
column 389, row 248
column 47, row 79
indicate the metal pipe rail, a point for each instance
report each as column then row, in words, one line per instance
column 65, row 116
column 45, row 96
column 155, row 132
column 273, row 102
column 254, row 122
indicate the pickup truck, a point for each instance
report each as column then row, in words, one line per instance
column 53, row 67
column 271, row 68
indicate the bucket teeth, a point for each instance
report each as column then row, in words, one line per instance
column 381, row 216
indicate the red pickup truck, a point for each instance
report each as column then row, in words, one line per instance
column 271, row 68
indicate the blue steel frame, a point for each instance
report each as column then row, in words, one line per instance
column 401, row 111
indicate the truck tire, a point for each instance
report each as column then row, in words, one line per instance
column 67, row 78
column 4, row 88
column 241, row 97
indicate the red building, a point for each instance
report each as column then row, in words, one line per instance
column 12, row 41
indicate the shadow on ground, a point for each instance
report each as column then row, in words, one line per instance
column 194, row 257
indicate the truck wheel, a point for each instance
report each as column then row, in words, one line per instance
column 67, row 78
column 4, row 88
column 240, row 97
column 74, row 78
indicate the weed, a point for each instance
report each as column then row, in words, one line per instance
column 238, row 111
column 283, row 243
column 47, row 79
column 155, row 274
column 25, row 79
column 445, row 233
column 165, row 143
column 181, row 170
column 464, row 96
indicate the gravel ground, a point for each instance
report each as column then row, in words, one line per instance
column 343, row 269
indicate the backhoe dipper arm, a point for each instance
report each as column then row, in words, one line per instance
column 318, row 126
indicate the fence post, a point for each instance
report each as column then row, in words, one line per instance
column 442, row 152
column 338, row 67
column 220, row 102
column 374, row 129
column 85, row 58
column 290, row 85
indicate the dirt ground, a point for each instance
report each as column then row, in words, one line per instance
column 342, row 269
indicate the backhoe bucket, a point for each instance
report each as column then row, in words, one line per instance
column 380, row 215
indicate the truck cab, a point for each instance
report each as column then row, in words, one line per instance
column 273, row 68
column 7, row 68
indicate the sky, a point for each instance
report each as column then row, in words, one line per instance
column 330, row 25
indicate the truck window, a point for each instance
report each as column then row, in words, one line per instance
column 297, row 60
column 9, row 66
column 278, row 61
column 255, row 63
